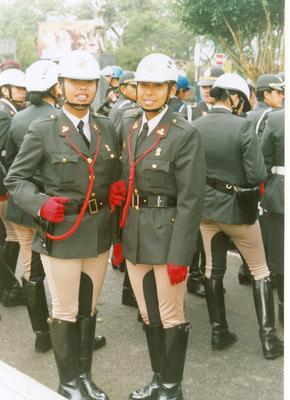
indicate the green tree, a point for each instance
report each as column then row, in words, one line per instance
column 251, row 32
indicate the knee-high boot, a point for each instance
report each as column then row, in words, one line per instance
column 221, row 336
column 195, row 283
column 280, row 292
column 64, row 344
column 128, row 296
column 38, row 313
column 154, row 337
column 86, row 334
column 263, row 296
column 173, row 359
column 10, row 253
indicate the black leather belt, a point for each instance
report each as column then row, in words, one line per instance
column 219, row 185
column 153, row 201
column 93, row 207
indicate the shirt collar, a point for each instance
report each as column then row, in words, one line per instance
column 75, row 120
column 153, row 122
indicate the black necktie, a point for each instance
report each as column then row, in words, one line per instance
column 143, row 134
column 81, row 131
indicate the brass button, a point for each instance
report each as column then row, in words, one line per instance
column 112, row 155
column 154, row 166
column 64, row 160
column 174, row 121
column 172, row 219
column 93, row 195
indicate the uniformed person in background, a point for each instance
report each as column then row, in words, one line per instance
column 126, row 100
column 178, row 103
column 270, row 96
column 77, row 155
column 163, row 165
column 235, row 168
column 273, row 199
column 12, row 98
column 112, row 75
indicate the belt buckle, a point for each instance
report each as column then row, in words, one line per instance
column 93, row 206
column 136, row 196
column 160, row 201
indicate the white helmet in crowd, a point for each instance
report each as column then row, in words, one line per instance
column 12, row 77
column 233, row 81
column 156, row 68
column 79, row 64
column 41, row 76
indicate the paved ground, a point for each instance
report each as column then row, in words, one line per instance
column 239, row 373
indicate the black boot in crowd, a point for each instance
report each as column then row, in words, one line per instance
column 64, row 343
column 221, row 336
column 38, row 313
column 263, row 296
column 173, row 359
column 128, row 297
column 85, row 335
column 195, row 280
column 280, row 291
column 244, row 275
column 154, row 337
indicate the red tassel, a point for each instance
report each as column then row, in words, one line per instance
column 262, row 188
column 117, row 256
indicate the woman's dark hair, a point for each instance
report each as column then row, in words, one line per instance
column 36, row 98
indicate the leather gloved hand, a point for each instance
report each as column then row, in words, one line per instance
column 177, row 273
column 53, row 209
column 117, row 256
column 117, row 194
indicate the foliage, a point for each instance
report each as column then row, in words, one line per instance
column 251, row 32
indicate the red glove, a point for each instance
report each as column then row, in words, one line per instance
column 262, row 188
column 117, row 194
column 53, row 209
column 117, row 256
column 4, row 197
column 177, row 273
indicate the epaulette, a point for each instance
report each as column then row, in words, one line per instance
column 180, row 122
column 98, row 115
column 52, row 116
column 132, row 113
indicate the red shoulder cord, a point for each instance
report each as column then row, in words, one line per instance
column 91, row 163
column 133, row 164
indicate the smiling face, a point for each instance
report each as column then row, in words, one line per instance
column 81, row 92
column 153, row 96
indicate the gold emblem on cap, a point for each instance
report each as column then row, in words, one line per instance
column 82, row 63
column 160, row 132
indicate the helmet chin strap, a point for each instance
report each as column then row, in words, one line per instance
column 236, row 108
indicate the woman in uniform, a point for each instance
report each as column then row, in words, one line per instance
column 235, row 168
column 76, row 153
column 163, row 166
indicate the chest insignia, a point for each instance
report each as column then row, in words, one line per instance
column 160, row 132
column 107, row 147
column 158, row 152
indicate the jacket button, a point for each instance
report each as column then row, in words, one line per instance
column 112, row 155
column 64, row 160
column 154, row 166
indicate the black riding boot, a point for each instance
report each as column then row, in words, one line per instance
column 244, row 275
column 173, row 359
column 85, row 332
column 38, row 313
column 263, row 296
column 221, row 336
column 128, row 297
column 280, row 292
column 195, row 283
column 154, row 336
column 10, row 253
column 64, row 344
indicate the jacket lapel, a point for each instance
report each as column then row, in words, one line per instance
column 66, row 127
column 161, row 131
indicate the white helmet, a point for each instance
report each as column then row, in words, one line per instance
column 13, row 77
column 233, row 81
column 79, row 64
column 156, row 68
column 41, row 76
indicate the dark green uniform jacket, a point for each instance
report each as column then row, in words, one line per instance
column 232, row 156
column 175, row 168
column 18, row 128
column 273, row 150
column 65, row 173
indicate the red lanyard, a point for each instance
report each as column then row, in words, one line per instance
column 91, row 162
column 133, row 164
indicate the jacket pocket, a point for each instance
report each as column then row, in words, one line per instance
column 66, row 166
column 156, row 172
